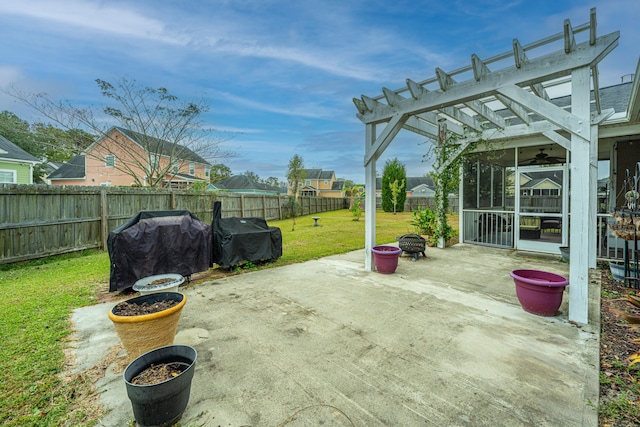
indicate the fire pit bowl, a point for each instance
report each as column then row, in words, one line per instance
column 412, row 244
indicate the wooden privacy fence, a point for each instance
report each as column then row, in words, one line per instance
column 38, row 220
column 414, row 203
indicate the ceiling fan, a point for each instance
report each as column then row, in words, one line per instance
column 542, row 158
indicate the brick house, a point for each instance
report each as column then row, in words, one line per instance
column 121, row 159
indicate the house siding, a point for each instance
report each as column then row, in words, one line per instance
column 24, row 174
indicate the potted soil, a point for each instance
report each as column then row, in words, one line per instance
column 148, row 321
column 539, row 292
column 159, row 384
column 386, row 258
column 158, row 283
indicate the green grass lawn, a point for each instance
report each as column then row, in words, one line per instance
column 37, row 299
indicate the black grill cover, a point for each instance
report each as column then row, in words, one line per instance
column 243, row 239
column 158, row 242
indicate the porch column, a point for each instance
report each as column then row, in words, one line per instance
column 581, row 231
column 369, row 199
column 593, row 196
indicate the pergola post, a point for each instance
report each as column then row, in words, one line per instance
column 581, row 229
column 370, row 200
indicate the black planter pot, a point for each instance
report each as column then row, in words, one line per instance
column 161, row 404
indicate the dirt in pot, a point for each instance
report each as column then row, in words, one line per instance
column 125, row 308
column 161, row 281
column 155, row 374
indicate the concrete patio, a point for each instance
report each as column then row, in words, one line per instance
column 442, row 342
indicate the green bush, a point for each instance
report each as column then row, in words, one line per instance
column 393, row 170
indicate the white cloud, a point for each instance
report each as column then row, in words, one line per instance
column 8, row 74
column 308, row 110
column 93, row 16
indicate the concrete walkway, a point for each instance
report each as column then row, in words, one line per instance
column 442, row 342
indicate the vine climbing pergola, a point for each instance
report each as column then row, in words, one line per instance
column 468, row 99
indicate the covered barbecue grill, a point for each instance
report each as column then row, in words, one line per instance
column 243, row 239
column 158, row 242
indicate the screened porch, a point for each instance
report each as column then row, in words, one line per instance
column 516, row 198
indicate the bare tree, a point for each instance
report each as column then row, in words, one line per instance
column 169, row 131
column 295, row 175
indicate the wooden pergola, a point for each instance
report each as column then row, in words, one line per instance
column 470, row 107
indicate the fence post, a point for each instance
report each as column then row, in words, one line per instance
column 104, row 218
column 172, row 200
column 264, row 207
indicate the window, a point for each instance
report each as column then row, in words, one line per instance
column 110, row 161
column 308, row 182
column 207, row 171
column 326, row 182
column 7, row 176
column 192, row 168
column 175, row 167
column 154, row 164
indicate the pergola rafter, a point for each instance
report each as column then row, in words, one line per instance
column 468, row 109
column 530, row 73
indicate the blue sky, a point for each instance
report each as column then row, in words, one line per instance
column 281, row 74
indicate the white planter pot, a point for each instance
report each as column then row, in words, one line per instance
column 145, row 287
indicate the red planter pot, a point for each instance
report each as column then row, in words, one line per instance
column 386, row 258
column 539, row 292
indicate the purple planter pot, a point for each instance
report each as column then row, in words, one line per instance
column 386, row 258
column 539, row 292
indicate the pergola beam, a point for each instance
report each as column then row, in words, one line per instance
column 547, row 67
column 554, row 114
column 558, row 139
column 520, row 57
column 462, row 117
column 421, row 127
column 384, row 139
column 417, row 91
column 480, row 69
column 569, row 37
column 446, row 82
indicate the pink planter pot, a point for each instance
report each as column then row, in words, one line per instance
column 539, row 292
column 386, row 258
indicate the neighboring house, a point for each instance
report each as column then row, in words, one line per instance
column 115, row 158
column 417, row 186
column 16, row 165
column 243, row 184
column 49, row 168
column 320, row 183
column 549, row 185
